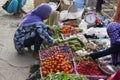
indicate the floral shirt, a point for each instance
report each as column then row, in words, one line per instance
column 26, row 31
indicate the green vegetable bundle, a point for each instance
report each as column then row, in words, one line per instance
column 64, row 76
column 75, row 43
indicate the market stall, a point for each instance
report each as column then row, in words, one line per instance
column 76, row 38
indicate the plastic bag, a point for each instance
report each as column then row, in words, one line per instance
column 79, row 3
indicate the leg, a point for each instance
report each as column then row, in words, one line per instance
column 37, row 43
column 99, row 5
column 28, row 43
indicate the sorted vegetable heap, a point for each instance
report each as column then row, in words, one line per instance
column 86, row 66
column 74, row 43
column 70, row 29
column 61, row 49
column 64, row 76
column 56, row 63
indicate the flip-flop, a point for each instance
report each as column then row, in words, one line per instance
column 34, row 68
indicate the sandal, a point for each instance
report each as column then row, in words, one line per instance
column 34, row 68
column 36, row 76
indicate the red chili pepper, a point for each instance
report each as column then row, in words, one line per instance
column 88, row 68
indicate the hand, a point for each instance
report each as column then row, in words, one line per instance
column 87, row 55
column 56, row 43
column 52, row 30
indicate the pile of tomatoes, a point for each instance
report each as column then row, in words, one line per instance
column 66, row 29
column 56, row 63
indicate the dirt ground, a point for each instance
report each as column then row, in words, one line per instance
column 12, row 65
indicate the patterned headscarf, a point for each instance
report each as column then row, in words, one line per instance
column 38, row 14
column 113, row 30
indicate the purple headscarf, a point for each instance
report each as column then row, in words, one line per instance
column 113, row 30
column 38, row 14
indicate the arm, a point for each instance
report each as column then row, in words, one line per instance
column 44, row 35
column 112, row 50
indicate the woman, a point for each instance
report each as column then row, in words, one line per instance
column 113, row 30
column 32, row 31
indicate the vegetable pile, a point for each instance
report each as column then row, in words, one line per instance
column 56, row 63
column 64, row 76
column 66, row 29
column 86, row 66
column 74, row 43
column 57, row 30
column 61, row 49
column 70, row 29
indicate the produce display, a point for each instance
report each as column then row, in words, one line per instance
column 64, row 76
column 61, row 49
column 57, row 30
column 56, row 63
column 66, row 29
column 63, row 58
column 69, row 31
column 86, row 66
column 74, row 43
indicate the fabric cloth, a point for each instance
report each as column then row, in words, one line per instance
column 117, row 76
column 36, row 41
column 113, row 30
column 53, row 18
column 32, row 26
column 15, row 5
column 38, row 14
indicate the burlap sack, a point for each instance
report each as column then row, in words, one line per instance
column 38, row 2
